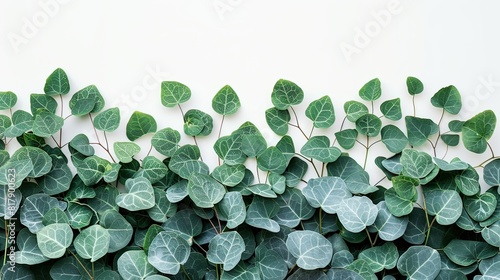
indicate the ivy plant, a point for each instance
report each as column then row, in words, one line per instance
column 304, row 207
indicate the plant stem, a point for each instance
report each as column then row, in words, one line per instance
column 491, row 150
column 341, row 126
column 373, row 107
column 320, row 221
column 257, row 172
column 220, row 132
column 185, row 272
column 150, row 149
column 414, row 108
column 62, row 112
column 369, row 237
column 196, row 143
column 81, row 264
column 311, row 133
column 218, row 220
column 182, row 112
column 298, row 125
column 310, row 161
column 367, row 149
column 6, row 242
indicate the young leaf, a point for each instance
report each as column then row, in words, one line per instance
column 226, row 249
column 125, row 151
column 42, row 103
column 347, row 138
column 285, row 94
column 311, row 249
column 140, row 124
column 108, row 120
column 321, row 112
column 174, row 93
column 278, row 120
column 139, row 195
column 368, row 125
column 354, row 110
column 318, row 147
column 449, row 99
column 393, row 138
column 371, row 91
column 419, row 130
column 92, row 243
column 391, row 109
column 478, row 130
column 455, row 126
column 414, row 85
column 197, row 123
column 7, row 100
column 57, row 83
column 86, row 100
column 226, row 101
column 166, row 141
column 168, row 252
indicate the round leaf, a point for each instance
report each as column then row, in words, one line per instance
column 108, row 120
column 226, row 101
column 478, row 130
column 285, row 94
column 168, row 252
column 92, row 243
column 391, row 109
column 355, row 213
column 321, row 112
column 368, row 125
column 54, row 239
column 371, row 90
column 278, row 120
column 415, row 86
column 420, row 262
column 347, row 138
column 174, row 93
column 449, row 99
column 139, row 195
column 327, row 193
column 57, row 83
column 380, row 257
column 311, row 249
column 205, row 191
column 393, row 138
column 7, row 100
column 133, row 264
column 226, row 249
column 166, row 141
column 480, row 207
column 354, row 110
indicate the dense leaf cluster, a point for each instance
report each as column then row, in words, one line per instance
column 255, row 215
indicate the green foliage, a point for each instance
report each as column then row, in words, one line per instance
column 296, row 208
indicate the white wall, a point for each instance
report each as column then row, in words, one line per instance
column 326, row 47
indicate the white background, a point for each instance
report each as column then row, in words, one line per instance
column 326, row 47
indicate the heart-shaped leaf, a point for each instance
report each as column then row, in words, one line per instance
column 7, row 100
column 185, row 223
column 197, row 123
column 153, row 169
column 57, row 83
column 108, row 120
column 321, row 112
column 354, row 110
column 42, row 103
column 419, row 130
column 416, row 164
column 226, row 249
column 29, row 252
column 46, row 124
column 91, row 170
column 79, row 216
column 420, row 262
column 393, row 138
column 229, row 175
column 285, row 94
column 166, row 141
column 480, row 207
column 294, row 208
column 232, row 209
column 226, row 101
column 371, row 91
column 467, row 252
column 92, row 243
column 318, row 147
column 356, row 213
column 22, row 121
column 54, row 239
column 311, row 249
column 168, row 252
column 388, row 226
column 119, row 229
column 278, row 120
column 391, row 109
column 272, row 159
column 34, row 208
column 490, row 268
column 368, row 125
column 81, row 143
column 86, row 100
column 260, row 214
column 450, row 139
column 125, row 151
column 449, row 99
column 491, row 173
column 174, row 93
column 381, row 257
column 140, row 124
column 184, row 162
column 327, row 193
column 478, row 130
column 347, row 138
column 204, row 190
column 163, row 208
column 139, row 195
column 133, row 264
column 446, row 205
column 414, row 85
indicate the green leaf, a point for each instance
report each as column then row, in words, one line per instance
column 311, row 249
column 449, row 99
column 226, row 249
column 272, row 159
column 371, row 91
column 42, row 103
column 393, row 138
column 28, row 251
column 177, row 192
column 5, row 122
column 417, row 227
column 81, row 143
column 398, row 206
column 321, row 112
column 350, row 171
column 7, row 100
column 294, row 208
column 184, row 162
column 491, row 173
column 278, row 120
column 140, row 124
column 168, row 252
column 380, row 257
column 197, row 123
column 368, row 125
column 419, row 262
column 260, row 214
column 22, row 121
column 174, row 93
column 92, row 243
column 86, row 100
column 455, row 126
column 450, row 139
column 139, row 195
column 285, row 94
column 419, row 130
column 42, row 162
column 347, row 138
column 415, row 86
column 416, row 164
column 204, row 190
column 228, row 148
column 111, row 173
column 478, row 130
column 490, row 268
column 153, row 169
column 480, row 207
column 327, row 193
column 79, row 216
column 226, row 101
column 163, row 208
column 468, row 252
column 468, row 181
column 263, row 190
column 354, row 110
column 57, row 83
column 270, row 264
column 388, row 226
column 58, row 179
column 491, row 234
column 91, row 170
column 253, row 145
column 186, row 223
column 10, row 201
column 229, row 175
column 53, row 240
column 362, row 268
column 133, row 264
column 295, row 171
column 232, row 209
column 125, row 151
column 119, row 229
column 446, row 205
column 108, row 120
column 166, row 141
column 105, row 199
column 318, row 147
column 356, row 213
column 391, row 109
column 34, row 208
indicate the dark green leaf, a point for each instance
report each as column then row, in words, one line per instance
column 449, row 99
column 419, row 130
column 368, row 125
column 57, row 83
column 478, row 130
column 41, row 102
column 197, row 123
column 455, row 126
column 108, row 120
column 371, row 91
column 278, row 120
column 318, row 147
column 226, row 101
column 86, row 100
column 467, row 252
column 7, row 100
column 140, row 124
column 166, row 141
column 347, row 138
column 393, row 138
column 415, row 86
column 450, row 139
column 285, row 94
column 354, row 110
column 391, row 109
column 321, row 112
column 272, row 159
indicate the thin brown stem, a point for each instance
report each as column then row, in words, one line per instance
column 297, row 123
